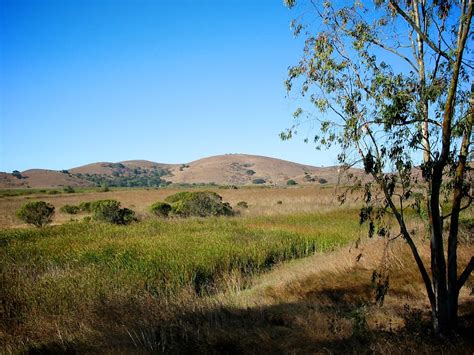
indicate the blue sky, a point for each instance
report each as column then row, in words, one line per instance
column 170, row 81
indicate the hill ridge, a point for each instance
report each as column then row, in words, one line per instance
column 224, row 169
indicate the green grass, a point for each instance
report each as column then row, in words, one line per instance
column 168, row 255
column 61, row 272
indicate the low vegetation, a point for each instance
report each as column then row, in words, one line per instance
column 39, row 191
column 209, row 284
column 91, row 279
column 69, row 190
column 110, row 211
column 17, row 174
column 69, row 209
column 161, row 209
column 196, row 203
column 123, row 176
column 242, row 204
column 37, row 213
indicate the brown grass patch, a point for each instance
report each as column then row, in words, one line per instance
column 262, row 201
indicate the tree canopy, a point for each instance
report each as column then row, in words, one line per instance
column 391, row 83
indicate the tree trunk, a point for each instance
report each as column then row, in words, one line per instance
column 446, row 302
column 453, row 284
column 438, row 263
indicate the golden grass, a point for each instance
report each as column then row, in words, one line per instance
column 86, row 288
column 262, row 201
column 326, row 304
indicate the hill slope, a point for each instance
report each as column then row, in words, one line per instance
column 242, row 169
column 39, row 178
column 228, row 169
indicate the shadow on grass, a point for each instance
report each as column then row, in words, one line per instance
column 327, row 321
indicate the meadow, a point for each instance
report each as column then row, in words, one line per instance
column 261, row 200
column 289, row 273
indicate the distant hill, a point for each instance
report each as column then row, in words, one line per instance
column 228, row 169
column 243, row 169
column 37, row 178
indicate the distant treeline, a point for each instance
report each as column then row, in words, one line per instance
column 128, row 177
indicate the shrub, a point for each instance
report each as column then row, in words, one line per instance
column 17, row 174
column 323, row 181
column 242, row 204
column 161, row 209
column 279, row 202
column 126, row 216
column 250, row 172
column 104, row 187
column 53, row 192
column 69, row 209
column 177, row 197
column 199, row 203
column 258, row 181
column 69, row 189
column 85, row 206
column 37, row 213
column 109, row 211
column 291, row 182
column 228, row 187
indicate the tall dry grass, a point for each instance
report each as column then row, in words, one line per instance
column 220, row 285
column 262, row 201
column 60, row 282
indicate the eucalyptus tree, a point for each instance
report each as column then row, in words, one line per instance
column 390, row 81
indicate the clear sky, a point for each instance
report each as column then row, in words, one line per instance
column 170, row 81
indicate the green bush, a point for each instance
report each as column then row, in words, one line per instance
column 69, row 209
column 17, row 174
column 37, row 213
column 69, row 190
column 291, row 182
column 322, row 181
column 127, row 216
column 53, row 192
column 85, row 206
column 258, row 181
column 178, row 196
column 109, row 211
column 242, row 204
column 161, row 209
column 104, row 187
column 199, row 203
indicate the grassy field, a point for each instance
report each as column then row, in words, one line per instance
column 280, row 277
column 262, row 201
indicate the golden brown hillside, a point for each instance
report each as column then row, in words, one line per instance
column 243, row 169
column 228, row 169
column 39, row 178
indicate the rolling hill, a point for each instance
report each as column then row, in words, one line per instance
column 228, row 169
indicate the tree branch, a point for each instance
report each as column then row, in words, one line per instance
column 394, row 51
column 465, row 274
column 460, row 209
column 419, row 31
